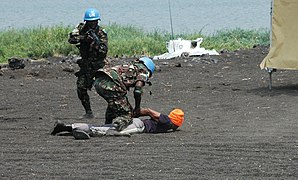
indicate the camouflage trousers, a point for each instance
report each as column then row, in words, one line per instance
column 85, row 81
column 83, row 84
column 119, row 107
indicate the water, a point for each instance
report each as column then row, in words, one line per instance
column 187, row 15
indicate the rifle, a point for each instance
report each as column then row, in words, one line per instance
column 94, row 37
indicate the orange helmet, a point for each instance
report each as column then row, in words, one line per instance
column 177, row 117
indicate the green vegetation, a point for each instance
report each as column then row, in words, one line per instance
column 42, row 42
column 34, row 43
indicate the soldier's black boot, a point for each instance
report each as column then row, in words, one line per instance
column 85, row 100
column 88, row 115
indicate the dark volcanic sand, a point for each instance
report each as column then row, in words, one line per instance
column 234, row 127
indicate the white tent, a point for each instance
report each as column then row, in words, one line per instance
column 283, row 52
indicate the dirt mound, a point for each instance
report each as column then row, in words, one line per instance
column 235, row 127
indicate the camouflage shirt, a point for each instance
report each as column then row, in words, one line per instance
column 127, row 75
column 79, row 37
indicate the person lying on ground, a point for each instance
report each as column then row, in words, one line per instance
column 157, row 123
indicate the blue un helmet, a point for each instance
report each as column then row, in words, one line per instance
column 91, row 14
column 148, row 63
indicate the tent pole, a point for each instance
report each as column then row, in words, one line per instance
column 271, row 15
column 270, row 81
column 270, row 71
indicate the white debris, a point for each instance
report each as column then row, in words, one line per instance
column 185, row 48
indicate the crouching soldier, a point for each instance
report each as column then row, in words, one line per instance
column 113, row 83
column 157, row 123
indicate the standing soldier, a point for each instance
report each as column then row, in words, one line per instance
column 92, row 42
column 112, row 83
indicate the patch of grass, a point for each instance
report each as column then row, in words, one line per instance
column 236, row 39
column 38, row 42
column 42, row 42
column 132, row 41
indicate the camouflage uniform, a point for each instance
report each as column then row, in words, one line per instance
column 91, row 59
column 112, row 83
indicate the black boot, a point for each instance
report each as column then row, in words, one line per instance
column 85, row 100
column 60, row 127
column 88, row 115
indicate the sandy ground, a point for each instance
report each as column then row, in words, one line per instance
column 235, row 128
